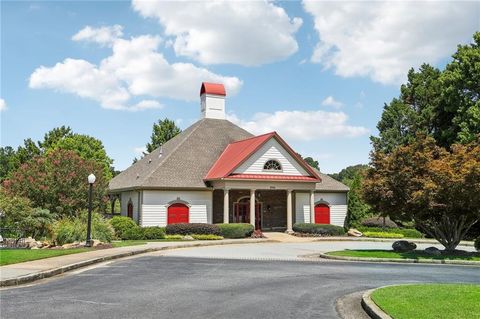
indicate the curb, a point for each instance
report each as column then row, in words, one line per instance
column 403, row 261
column 383, row 240
column 371, row 307
column 60, row 270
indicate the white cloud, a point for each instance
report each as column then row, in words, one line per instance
column 214, row 32
column 383, row 40
column 3, row 105
column 301, row 125
column 103, row 35
column 330, row 101
column 140, row 150
column 135, row 69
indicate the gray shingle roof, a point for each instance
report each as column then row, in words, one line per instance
column 187, row 158
column 330, row 184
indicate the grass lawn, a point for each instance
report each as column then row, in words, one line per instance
column 13, row 256
column 430, row 301
column 416, row 254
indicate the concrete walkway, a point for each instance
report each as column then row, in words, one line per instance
column 42, row 268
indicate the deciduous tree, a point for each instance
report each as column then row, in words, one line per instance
column 436, row 187
column 163, row 131
column 57, row 181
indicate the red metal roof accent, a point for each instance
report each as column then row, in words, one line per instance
column 273, row 177
column 238, row 152
column 212, row 88
column 234, row 154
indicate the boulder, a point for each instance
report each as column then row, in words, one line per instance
column 34, row 247
column 29, row 242
column 96, row 242
column 354, row 233
column 434, row 251
column 403, row 246
column 187, row 237
column 72, row 245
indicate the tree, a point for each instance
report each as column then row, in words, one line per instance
column 88, row 148
column 20, row 216
column 55, row 135
column 313, row 163
column 8, row 161
column 163, row 131
column 435, row 187
column 442, row 104
column 352, row 176
column 57, row 181
column 349, row 173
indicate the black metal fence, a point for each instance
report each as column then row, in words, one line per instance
column 12, row 238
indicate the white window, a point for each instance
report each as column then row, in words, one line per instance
column 272, row 165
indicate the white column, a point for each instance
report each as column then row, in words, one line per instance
column 226, row 206
column 252, row 207
column 289, row 211
column 312, row 207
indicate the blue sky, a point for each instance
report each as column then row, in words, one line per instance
column 317, row 72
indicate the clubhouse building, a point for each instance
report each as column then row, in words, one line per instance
column 216, row 172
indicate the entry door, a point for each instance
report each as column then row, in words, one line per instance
column 130, row 210
column 242, row 213
column 177, row 213
column 322, row 214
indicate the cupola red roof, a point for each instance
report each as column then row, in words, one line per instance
column 212, row 88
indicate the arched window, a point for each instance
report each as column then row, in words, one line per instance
column 272, row 165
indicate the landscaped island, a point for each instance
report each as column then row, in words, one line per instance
column 431, row 301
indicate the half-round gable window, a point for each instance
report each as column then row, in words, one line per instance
column 272, row 165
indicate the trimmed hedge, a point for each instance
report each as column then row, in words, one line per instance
column 477, row 244
column 378, row 222
column 194, row 228
column 319, row 229
column 382, row 234
column 236, row 230
column 153, row 232
column 206, row 237
column 406, row 232
column 123, row 224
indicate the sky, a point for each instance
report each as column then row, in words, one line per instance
column 317, row 72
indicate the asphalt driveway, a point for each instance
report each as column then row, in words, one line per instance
column 183, row 287
column 282, row 251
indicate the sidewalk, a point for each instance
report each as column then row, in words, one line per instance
column 29, row 271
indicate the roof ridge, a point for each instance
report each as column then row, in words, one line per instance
column 255, row 136
column 173, row 150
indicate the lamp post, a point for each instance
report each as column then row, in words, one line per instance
column 91, row 180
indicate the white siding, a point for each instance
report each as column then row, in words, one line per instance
column 336, row 201
column 155, row 203
column 271, row 150
column 302, row 207
column 125, row 197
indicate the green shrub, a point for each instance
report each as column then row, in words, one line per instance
column 153, row 232
column 382, row 234
column 319, row 229
column 121, row 224
column 194, row 228
column 236, row 230
column 406, row 232
column 378, row 221
column 477, row 244
column 134, row 233
column 206, row 237
column 69, row 230
column 174, row 237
